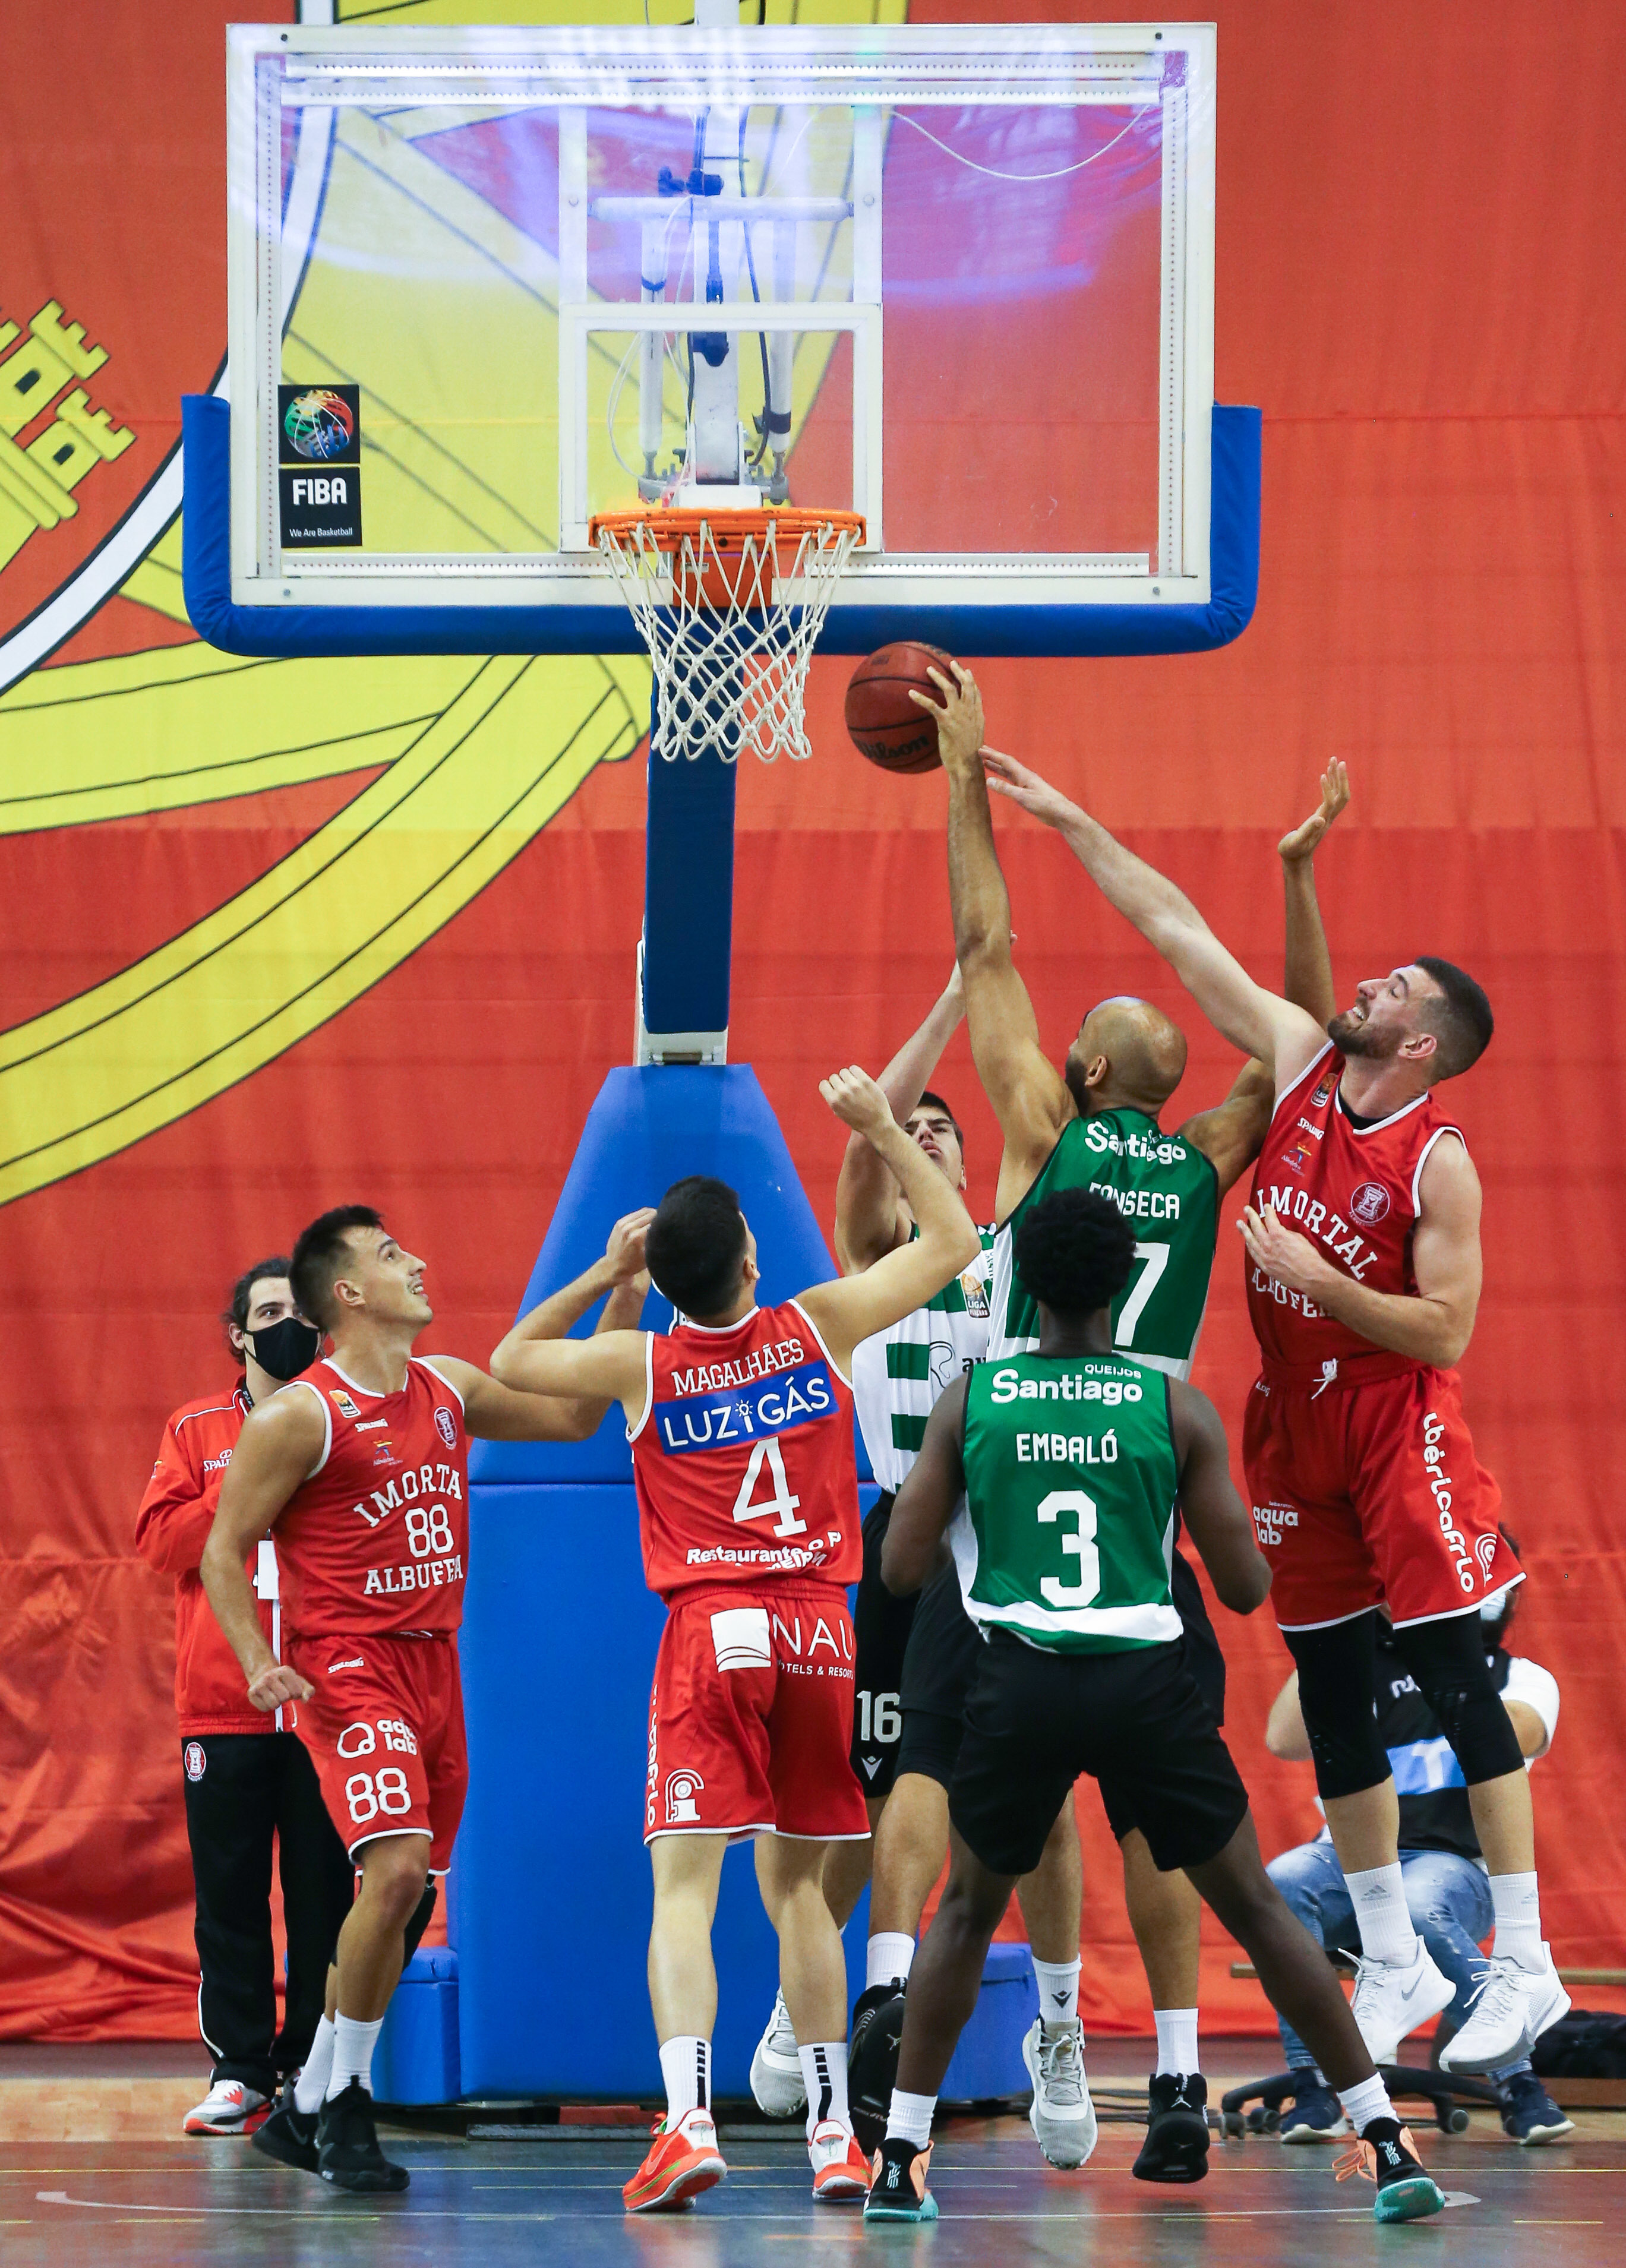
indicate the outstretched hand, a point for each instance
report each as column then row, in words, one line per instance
column 856, row 1101
column 1026, row 790
column 1307, row 839
column 624, row 1252
column 959, row 717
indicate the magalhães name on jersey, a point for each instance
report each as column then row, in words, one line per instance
column 1067, row 1525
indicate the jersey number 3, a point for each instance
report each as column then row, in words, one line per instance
column 1079, row 1545
column 768, row 1452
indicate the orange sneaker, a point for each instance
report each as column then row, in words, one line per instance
column 683, row 2160
column 841, row 2170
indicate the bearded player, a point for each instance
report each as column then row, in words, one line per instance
column 741, row 1424
column 1364, row 1274
column 1095, row 1124
column 361, row 1469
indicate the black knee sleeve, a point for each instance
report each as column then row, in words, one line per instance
column 1337, row 1691
column 419, row 1922
column 1447, row 1659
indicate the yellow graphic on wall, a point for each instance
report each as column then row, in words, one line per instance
column 478, row 755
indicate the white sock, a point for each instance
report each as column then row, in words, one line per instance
column 824, row 2075
column 353, row 2042
column 1058, row 1988
column 311, row 2084
column 1177, row 2040
column 1518, row 1908
column 686, row 2067
column 886, row 1957
column 1378, row 1897
column 1363, row 2103
column 911, row 2118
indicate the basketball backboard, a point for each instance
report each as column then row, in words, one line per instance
column 485, row 283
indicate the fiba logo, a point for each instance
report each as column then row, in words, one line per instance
column 681, row 1789
column 319, row 423
column 1370, row 1203
column 195, row 1760
column 445, row 1426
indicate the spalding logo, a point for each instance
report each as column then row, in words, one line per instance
column 445, row 1425
column 1370, row 1203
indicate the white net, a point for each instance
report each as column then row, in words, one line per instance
column 730, row 604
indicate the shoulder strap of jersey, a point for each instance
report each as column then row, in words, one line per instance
column 633, row 1432
column 1283, row 1093
column 321, row 1402
column 818, row 1336
column 1423, row 1158
column 426, row 1362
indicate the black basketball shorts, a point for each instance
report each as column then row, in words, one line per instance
column 1036, row 1721
column 881, row 1626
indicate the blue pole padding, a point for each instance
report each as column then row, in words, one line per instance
column 689, row 891
column 971, row 630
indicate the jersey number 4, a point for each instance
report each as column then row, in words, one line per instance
column 768, row 1452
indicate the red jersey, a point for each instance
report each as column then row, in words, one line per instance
column 376, row 1538
column 1353, row 1191
column 171, row 1528
column 743, row 1457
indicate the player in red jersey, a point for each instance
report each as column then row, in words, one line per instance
column 1363, row 1276
column 741, row 1424
column 361, row 1469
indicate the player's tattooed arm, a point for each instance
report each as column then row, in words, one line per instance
column 1309, row 973
column 1220, row 1524
column 1029, row 1094
column 869, row 1217
column 1432, row 1324
column 622, row 1275
column 914, row 1549
column 855, row 1306
column 1258, row 1021
column 276, row 1451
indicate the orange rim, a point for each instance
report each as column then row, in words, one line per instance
column 669, row 528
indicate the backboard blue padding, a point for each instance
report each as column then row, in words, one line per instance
column 554, row 1893
column 972, row 631
column 645, row 1130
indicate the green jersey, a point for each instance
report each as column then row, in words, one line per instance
column 1065, row 1532
column 1170, row 1192
column 899, row 1374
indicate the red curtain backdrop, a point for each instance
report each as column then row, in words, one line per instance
column 1417, row 282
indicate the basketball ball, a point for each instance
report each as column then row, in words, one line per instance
column 885, row 724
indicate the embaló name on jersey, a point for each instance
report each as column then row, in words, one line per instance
column 1011, row 1386
column 718, row 1377
column 774, row 1406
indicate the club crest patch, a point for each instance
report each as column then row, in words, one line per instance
column 1370, row 1203
column 196, row 1760
column 445, row 1426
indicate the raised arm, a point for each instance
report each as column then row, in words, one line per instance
column 914, row 1550
column 1029, row 1094
column 1220, row 1524
column 562, row 1375
column 855, row 1306
column 1232, row 1133
column 276, row 1451
column 1309, row 964
column 1432, row 1324
column 868, row 1218
column 1260, row 1023
column 621, row 1274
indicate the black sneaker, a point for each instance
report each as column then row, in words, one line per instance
column 288, row 2135
column 346, row 2145
column 872, row 2062
column 1386, row 2154
column 1176, row 2144
column 898, row 2188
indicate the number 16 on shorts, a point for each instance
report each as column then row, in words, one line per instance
column 880, row 1719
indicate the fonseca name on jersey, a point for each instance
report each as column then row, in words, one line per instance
column 776, row 1403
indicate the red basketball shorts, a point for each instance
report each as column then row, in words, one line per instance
column 385, row 1730
column 751, row 1716
column 1368, row 1491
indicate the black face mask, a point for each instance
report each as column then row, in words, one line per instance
column 284, row 1349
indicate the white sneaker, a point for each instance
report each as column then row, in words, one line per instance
column 1391, row 2001
column 776, row 2069
column 840, row 2169
column 1063, row 2116
column 229, row 2108
column 1511, row 2007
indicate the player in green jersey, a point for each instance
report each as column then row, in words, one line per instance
column 1055, row 1475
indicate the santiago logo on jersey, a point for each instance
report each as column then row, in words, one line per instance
column 763, row 1405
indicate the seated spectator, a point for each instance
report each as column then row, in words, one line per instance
column 1447, row 1889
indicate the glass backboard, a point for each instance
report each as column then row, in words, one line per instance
column 485, row 283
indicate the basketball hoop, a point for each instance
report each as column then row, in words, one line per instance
column 729, row 604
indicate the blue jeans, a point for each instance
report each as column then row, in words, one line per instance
column 1449, row 1900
